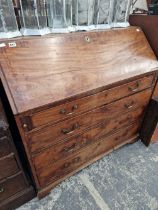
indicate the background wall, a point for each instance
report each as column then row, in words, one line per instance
column 141, row 4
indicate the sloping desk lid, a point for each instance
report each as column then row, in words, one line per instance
column 44, row 70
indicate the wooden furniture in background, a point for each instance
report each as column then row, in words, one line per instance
column 149, row 25
column 148, row 2
column 76, row 97
column 149, row 123
column 15, row 189
column 154, row 137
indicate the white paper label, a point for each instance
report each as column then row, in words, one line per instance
column 12, row 44
column 2, row 45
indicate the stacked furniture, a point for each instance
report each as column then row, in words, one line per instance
column 15, row 188
column 148, row 23
column 76, row 97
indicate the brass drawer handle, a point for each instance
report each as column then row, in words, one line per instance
column 134, row 89
column 76, row 160
column 70, row 149
column 1, row 190
column 64, row 111
column 128, row 106
column 69, row 131
column 75, row 146
column 68, row 164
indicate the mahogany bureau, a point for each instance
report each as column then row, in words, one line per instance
column 76, row 97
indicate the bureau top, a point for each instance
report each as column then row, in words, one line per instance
column 46, row 70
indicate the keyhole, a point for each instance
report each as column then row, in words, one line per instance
column 87, row 38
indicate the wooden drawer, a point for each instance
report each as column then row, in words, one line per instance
column 64, row 111
column 92, row 135
column 3, row 131
column 11, row 186
column 8, row 166
column 62, row 168
column 3, row 122
column 52, row 134
column 5, row 148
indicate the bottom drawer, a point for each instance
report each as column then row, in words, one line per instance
column 76, row 143
column 8, row 166
column 11, row 186
column 64, row 167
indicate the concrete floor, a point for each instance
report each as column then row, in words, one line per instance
column 126, row 179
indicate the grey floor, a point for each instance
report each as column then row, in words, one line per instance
column 126, row 179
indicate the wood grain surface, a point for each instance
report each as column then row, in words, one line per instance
column 8, row 166
column 74, row 144
column 5, row 147
column 148, row 24
column 51, row 135
column 63, row 167
column 15, row 185
column 77, row 96
column 70, row 109
column 42, row 71
column 12, row 185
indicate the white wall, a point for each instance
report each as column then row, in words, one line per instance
column 141, row 4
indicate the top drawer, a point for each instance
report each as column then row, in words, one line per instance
column 66, row 110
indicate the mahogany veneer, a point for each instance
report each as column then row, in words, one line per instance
column 77, row 96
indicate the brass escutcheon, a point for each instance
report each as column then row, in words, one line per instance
column 87, row 39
